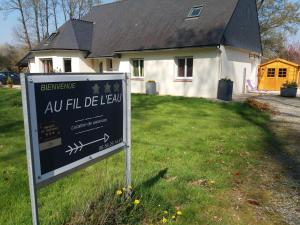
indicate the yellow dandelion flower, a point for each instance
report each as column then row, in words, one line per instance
column 119, row 192
column 212, row 182
column 136, row 202
column 179, row 213
column 165, row 212
column 173, row 217
column 164, row 220
column 123, row 189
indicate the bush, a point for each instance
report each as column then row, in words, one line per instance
column 290, row 85
column 226, row 79
column 9, row 81
column 253, row 103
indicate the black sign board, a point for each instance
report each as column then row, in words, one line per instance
column 74, row 120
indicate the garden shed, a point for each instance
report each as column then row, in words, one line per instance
column 272, row 74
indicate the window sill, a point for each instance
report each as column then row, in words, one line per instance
column 137, row 78
column 183, row 80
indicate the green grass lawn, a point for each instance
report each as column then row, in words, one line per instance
column 188, row 154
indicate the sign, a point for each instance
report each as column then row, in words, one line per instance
column 72, row 121
column 77, row 119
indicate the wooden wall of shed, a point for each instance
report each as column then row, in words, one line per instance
column 273, row 84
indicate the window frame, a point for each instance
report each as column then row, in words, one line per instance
column 109, row 65
column 43, row 60
column 191, row 12
column 52, row 36
column 271, row 75
column 185, row 77
column 67, row 59
column 101, row 67
column 140, row 75
column 281, row 74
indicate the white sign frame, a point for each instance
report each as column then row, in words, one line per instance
column 36, row 179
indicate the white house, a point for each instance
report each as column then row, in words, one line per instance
column 184, row 46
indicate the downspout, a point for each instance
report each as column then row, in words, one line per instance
column 220, row 62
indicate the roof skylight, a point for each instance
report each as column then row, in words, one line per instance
column 195, row 11
column 52, row 36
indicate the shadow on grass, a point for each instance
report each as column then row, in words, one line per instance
column 11, row 127
column 275, row 146
column 9, row 130
column 153, row 180
column 13, row 155
column 111, row 209
column 10, row 98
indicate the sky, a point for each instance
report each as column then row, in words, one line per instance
column 9, row 22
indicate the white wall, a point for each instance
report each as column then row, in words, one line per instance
column 210, row 64
column 78, row 61
column 236, row 63
column 161, row 67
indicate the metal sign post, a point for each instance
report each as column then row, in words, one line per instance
column 128, row 140
column 31, row 175
column 72, row 121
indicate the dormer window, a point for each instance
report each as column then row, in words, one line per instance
column 51, row 37
column 195, row 12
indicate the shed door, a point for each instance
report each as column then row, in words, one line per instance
column 281, row 77
column 269, row 79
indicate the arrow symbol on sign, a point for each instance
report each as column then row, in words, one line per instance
column 79, row 146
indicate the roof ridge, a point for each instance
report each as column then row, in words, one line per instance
column 74, row 32
column 80, row 20
column 228, row 22
column 110, row 3
column 281, row 60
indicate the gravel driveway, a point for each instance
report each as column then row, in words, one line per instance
column 288, row 109
column 284, row 160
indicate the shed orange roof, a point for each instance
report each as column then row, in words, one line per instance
column 280, row 60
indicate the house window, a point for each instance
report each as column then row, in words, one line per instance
column 109, row 65
column 138, row 67
column 185, row 67
column 47, row 65
column 68, row 65
column 195, row 11
column 271, row 72
column 282, row 72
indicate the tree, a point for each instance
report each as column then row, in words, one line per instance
column 20, row 6
column 9, row 56
column 39, row 17
column 76, row 9
column 47, row 17
column 278, row 19
column 54, row 10
column 292, row 52
column 35, row 5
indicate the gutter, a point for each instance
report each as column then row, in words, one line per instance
column 220, row 62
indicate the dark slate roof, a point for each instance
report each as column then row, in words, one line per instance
column 243, row 29
column 73, row 35
column 136, row 25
